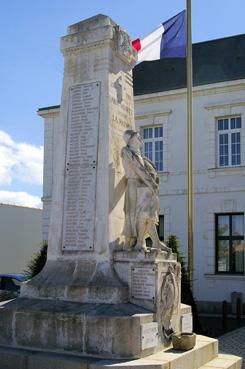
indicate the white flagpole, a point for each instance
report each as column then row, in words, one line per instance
column 189, row 141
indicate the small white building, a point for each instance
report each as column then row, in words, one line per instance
column 218, row 159
column 21, row 236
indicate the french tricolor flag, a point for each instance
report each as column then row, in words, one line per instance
column 167, row 41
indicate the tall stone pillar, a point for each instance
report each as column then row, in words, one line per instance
column 88, row 191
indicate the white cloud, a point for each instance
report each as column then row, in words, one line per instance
column 20, row 161
column 20, row 198
column 5, row 139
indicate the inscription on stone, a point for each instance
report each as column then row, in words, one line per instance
column 81, row 167
column 186, row 323
column 143, row 283
column 149, row 335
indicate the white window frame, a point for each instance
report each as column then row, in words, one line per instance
column 228, row 131
column 154, row 140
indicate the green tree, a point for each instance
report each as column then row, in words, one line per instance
column 37, row 261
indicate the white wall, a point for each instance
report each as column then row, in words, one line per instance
column 216, row 190
column 21, row 236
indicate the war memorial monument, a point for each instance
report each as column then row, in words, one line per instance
column 103, row 298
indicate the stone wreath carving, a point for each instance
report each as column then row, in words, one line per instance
column 169, row 297
column 123, row 43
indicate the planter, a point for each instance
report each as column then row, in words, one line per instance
column 184, row 341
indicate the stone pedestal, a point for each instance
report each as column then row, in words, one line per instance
column 75, row 318
column 100, row 330
column 154, row 281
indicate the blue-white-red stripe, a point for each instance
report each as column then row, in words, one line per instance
column 167, row 40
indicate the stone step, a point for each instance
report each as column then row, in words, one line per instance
column 205, row 351
column 99, row 330
column 223, row 361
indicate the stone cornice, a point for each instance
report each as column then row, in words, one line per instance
column 229, row 105
column 153, row 114
column 49, row 112
column 221, row 87
column 87, row 35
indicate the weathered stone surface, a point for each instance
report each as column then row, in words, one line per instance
column 208, row 351
column 6, row 321
column 224, row 362
column 98, row 338
column 143, row 282
column 142, row 196
column 59, row 331
column 122, row 341
column 10, row 359
column 154, row 283
column 149, row 335
column 186, row 323
column 76, row 280
column 13, row 358
column 89, row 185
column 55, row 363
column 185, row 309
column 137, row 255
column 90, row 329
column 203, row 356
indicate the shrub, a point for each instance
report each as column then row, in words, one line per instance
column 37, row 261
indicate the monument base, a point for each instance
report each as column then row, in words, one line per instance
column 101, row 330
column 203, row 356
column 127, row 309
column 154, row 281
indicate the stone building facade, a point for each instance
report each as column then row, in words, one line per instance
column 218, row 159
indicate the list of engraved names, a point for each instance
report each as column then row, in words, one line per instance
column 143, row 283
column 81, row 162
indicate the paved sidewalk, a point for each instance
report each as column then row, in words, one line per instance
column 234, row 343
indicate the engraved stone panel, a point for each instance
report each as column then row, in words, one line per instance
column 149, row 335
column 186, row 323
column 81, row 167
column 143, row 282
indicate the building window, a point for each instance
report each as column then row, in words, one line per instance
column 230, row 243
column 229, row 141
column 153, row 145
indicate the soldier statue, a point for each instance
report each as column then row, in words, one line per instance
column 142, row 196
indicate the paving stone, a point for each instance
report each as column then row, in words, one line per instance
column 234, row 343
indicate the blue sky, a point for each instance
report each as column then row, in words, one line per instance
column 31, row 68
